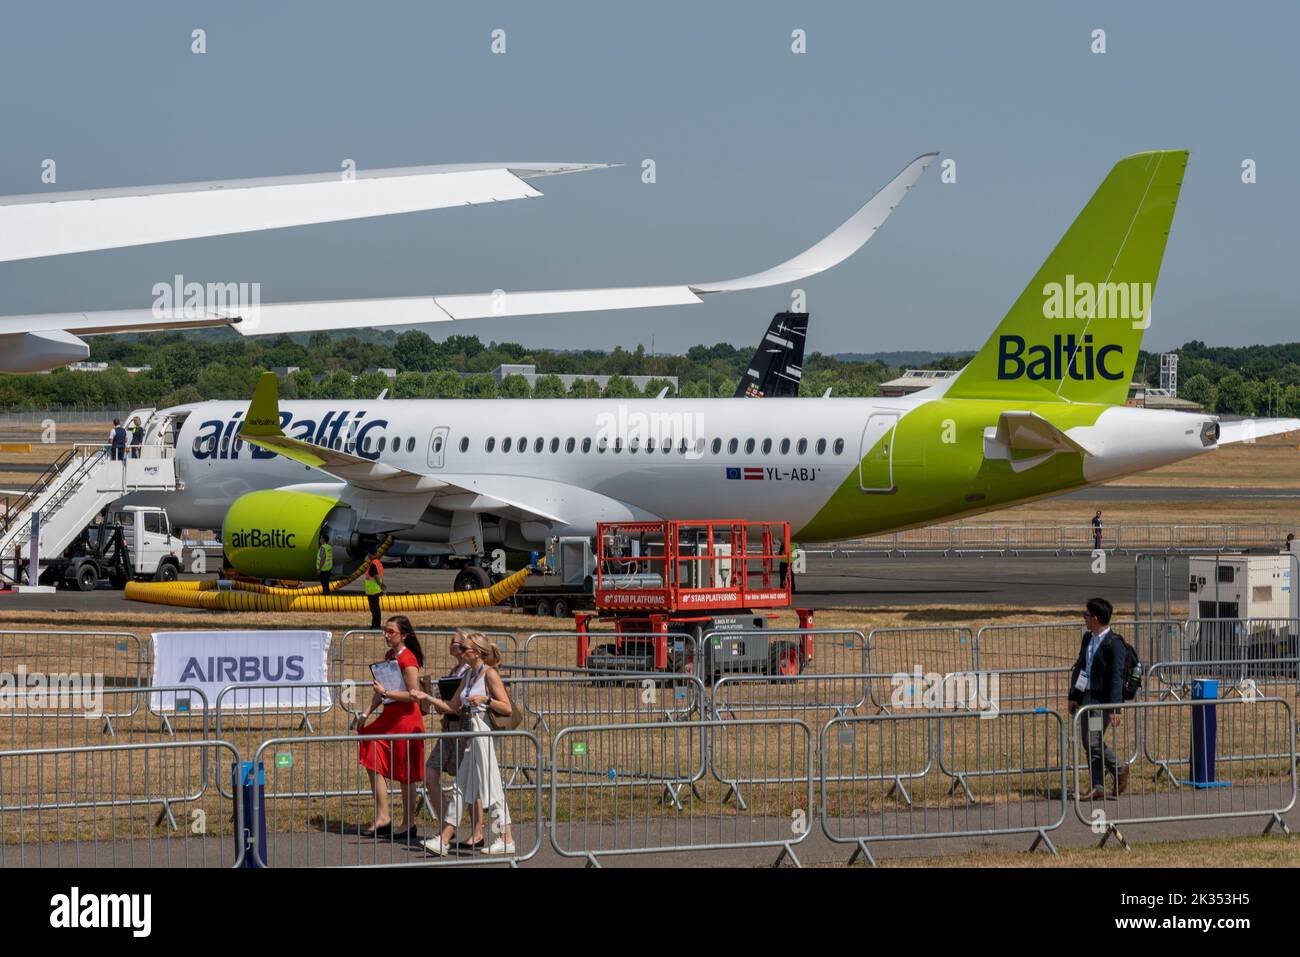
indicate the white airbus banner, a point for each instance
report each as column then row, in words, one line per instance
column 214, row 660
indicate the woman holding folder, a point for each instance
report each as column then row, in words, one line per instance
column 401, row 761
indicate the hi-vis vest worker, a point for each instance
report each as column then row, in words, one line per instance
column 374, row 583
column 324, row 559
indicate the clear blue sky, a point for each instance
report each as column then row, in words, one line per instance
column 759, row 151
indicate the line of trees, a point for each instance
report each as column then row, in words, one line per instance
column 218, row 364
column 1236, row 380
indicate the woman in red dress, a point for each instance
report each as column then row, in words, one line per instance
column 399, row 760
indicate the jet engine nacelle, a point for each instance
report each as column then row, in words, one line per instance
column 274, row 533
column 39, row 351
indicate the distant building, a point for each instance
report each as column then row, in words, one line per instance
column 914, row 380
column 1142, row 396
column 390, row 373
column 283, row 371
column 529, row 374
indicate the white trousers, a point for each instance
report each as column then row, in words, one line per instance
column 478, row 778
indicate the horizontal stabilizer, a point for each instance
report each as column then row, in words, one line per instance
column 1248, row 430
column 1026, row 439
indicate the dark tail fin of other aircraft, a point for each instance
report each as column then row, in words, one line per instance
column 777, row 366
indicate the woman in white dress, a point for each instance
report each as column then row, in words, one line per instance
column 479, row 776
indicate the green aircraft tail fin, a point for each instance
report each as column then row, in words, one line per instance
column 1074, row 333
column 263, row 417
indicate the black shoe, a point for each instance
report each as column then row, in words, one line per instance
column 467, row 845
column 382, row 831
column 409, row 836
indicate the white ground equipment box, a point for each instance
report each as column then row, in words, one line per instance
column 1242, row 586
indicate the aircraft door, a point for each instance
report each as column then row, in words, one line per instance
column 876, row 456
column 438, row 446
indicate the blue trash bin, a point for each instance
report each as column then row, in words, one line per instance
column 241, row 775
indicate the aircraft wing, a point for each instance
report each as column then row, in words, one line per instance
column 56, row 223
column 289, row 317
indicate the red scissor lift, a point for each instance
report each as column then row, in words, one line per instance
column 661, row 583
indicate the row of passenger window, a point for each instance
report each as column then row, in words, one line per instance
column 765, row 446
column 204, row 444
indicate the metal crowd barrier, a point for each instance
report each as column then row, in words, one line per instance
column 314, row 829
column 953, row 752
column 789, row 651
column 632, row 819
column 1019, row 789
column 353, row 654
column 84, row 718
column 292, row 700
column 244, row 713
column 896, row 655
column 1055, row 644
column 165, row 801
column 554, row 703
column 557, row 651
column 1027, row 688
column 1259, row 677
column 92, row 806
column 119, row 656
column 1240, row 639
column 977, row 539
column 736, row 696
column 1253, row 761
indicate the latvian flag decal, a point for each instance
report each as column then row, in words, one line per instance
column 748, row 474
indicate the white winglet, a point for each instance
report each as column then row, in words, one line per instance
column 839, row 245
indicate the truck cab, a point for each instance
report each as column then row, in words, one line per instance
column 148, row 534
column 135, row 542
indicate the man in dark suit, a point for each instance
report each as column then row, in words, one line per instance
column 1098, row 678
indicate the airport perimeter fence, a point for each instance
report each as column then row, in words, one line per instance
column 959, row 745
column 62, row 415
column 1057, row 539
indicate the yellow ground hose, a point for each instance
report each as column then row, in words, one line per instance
column 251, row 596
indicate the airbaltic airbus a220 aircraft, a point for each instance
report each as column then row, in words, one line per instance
column 1039, row 410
